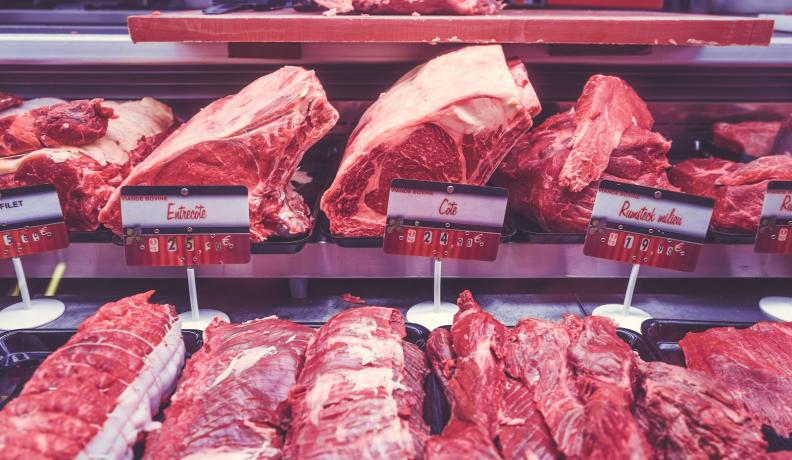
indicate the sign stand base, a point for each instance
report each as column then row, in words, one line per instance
column 433, row 314
column 198, row 318
column 779, row 308
column 29, row 313
column 625, row 315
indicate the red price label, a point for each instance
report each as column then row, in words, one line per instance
column 775, row 226
column 444, row 220
column 647, row 226
column 185, row 225
column 31, row 221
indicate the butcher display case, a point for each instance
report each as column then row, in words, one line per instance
column 190, row 93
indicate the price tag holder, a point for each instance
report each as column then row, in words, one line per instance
column 185, row 225
column 648, row 226
column 31, row 221
column 775, row 226
column 444, row 220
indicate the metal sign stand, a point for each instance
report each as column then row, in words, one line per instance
column 29, row 313
column 436, row 313
column 625, row 315
column 198, row 318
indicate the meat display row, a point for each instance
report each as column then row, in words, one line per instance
column 463, row 117
column 354, row 389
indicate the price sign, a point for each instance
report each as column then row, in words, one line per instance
column 185, row 225
column 775, row 226
column 444, row 220
column 31, row 221
column 647, row 226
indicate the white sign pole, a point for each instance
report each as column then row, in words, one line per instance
column 197, row 318
column 625, row 315
column 436, row 313
column 29, row 313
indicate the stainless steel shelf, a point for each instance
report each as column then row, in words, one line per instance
column 326, row 260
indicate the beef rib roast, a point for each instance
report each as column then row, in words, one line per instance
column 65, row 124
column 86, row 175
column 738, row 189
column 452, row 119
column 553, row 171
column 255, row 138
column 96, row 394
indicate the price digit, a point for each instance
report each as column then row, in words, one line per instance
column 427, row 237
column 189, row 244
column 171, row 244
column 444, row 238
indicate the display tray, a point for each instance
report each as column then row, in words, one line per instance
column 528, row 231
column 718, row 237
column 21, row 352
column 508, row 233
column 663, row 336
column 102, row 235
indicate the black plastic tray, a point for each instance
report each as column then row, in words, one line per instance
column 507, row 234
column 21, row 352
column 663, row 336
column 719, row 237
column 530, row 232
column 102, row 235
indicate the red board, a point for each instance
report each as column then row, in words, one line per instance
column 187, row 250
column 775, row 226
column 31, row 221
column 647, row 226
column 511, row 26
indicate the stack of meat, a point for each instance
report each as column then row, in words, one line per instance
column 231, row 400
column 574, row 389
column 95, row 395
column 553, row 171
column 737, row 188
column 452, row 119
column 84, row 148
column 254, row 138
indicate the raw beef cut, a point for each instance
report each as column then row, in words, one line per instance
column 738, row 189
column 754, row 364
column 8, row 101
column 232, row 397
column 85, row 176
column 360, row 393
column 583, row 378
column 458, row 7
column 255, row 138
column 486, row 404
column 752, row 138
column 553, row 171
column 452, row 119
column 783, row 141
column 94, row 395
column 67, row 124
column 686, row 415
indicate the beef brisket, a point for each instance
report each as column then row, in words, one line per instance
column 451, row 119
column 255, row 138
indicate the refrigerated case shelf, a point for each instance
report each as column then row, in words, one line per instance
column 510, row 26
